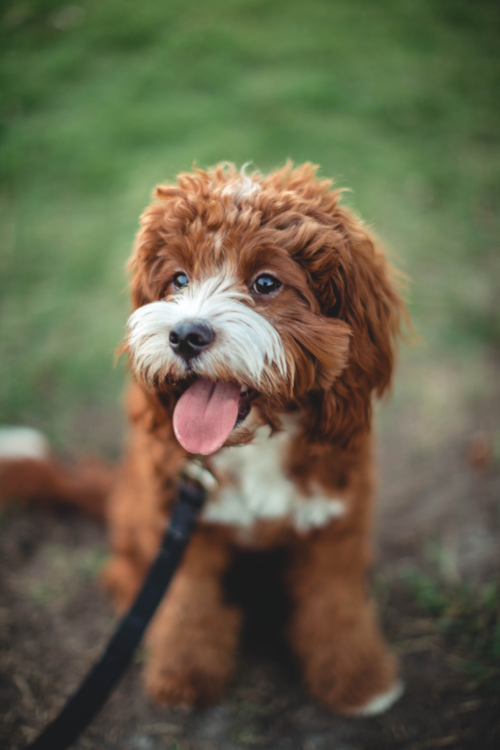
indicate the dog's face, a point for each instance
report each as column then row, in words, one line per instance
column 253, row 297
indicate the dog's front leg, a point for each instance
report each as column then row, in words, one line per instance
column 334, row 630
column 193, row 638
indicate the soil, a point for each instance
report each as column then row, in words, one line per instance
column 438, row 511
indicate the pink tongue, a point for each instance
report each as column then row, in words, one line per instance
column 205, row 415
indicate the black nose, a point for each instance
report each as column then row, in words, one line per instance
column 190, row 338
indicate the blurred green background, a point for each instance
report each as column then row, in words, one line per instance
column 101, row 100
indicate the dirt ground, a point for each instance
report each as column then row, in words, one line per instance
column 438, row 521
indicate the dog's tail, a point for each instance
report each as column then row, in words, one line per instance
column 29, row 473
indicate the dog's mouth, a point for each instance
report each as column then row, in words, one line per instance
column 207, row 412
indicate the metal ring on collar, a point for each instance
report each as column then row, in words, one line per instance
column 194, row 470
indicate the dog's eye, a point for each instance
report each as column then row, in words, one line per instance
column 180, row 280
column 265, row 284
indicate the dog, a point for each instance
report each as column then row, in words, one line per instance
column 265, row 322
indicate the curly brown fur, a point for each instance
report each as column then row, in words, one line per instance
column 337, row 314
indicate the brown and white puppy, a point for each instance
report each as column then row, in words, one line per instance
column 264, row 324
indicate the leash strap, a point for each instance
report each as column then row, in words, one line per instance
column 83, row 705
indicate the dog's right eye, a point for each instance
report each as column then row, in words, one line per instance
column 265, row 284
column 180, row 280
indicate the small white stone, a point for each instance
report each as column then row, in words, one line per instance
column 23, row 442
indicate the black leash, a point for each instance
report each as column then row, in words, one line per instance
column 83, row 705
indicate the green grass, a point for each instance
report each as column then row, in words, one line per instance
column 466, row 618
column 59, row 569
column 99, row 101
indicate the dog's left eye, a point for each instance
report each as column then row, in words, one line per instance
column 180, row 280
column 265, row 284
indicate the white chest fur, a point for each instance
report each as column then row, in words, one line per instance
column 255, row 488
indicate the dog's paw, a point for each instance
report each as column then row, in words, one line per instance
column 187, row 687
column 380, row 702
column 365, row 684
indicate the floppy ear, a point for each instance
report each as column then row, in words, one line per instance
column 164, row 219
column 143, row 266
column 362, row 292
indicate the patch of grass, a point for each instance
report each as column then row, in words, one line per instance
column 468, row 620
column 60, row 570
column 102, row 99
column 427, row 591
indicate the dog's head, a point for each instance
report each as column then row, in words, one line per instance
column 255, row 296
